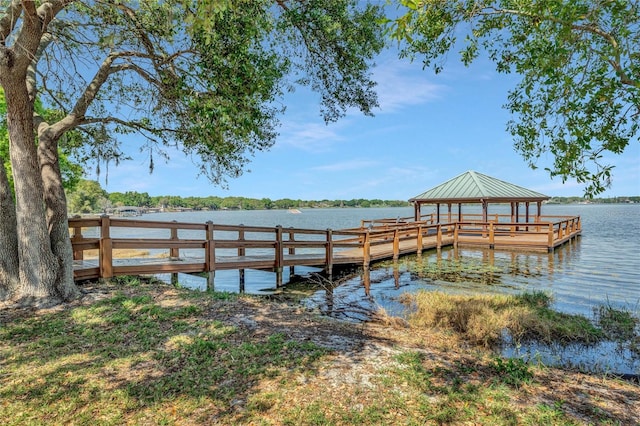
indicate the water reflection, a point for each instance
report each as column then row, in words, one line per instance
column 477, row 271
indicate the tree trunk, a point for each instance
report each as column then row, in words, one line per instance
column 38, row 267
column 8, row 239
column 57, row 220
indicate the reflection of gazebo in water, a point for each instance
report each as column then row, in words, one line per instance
column 475, row 188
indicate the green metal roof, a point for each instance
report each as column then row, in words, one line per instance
column 474, row 187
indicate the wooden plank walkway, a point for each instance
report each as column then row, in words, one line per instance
column 225, row 247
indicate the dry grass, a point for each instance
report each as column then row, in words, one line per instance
column 480, row 319
column 483, row 319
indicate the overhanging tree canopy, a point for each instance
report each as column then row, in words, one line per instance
column 206, row 77
column 579, row 96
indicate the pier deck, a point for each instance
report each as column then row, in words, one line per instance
column 198, row 248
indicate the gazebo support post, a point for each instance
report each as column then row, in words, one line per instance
column 485, row 210
column 485, row 216
column 538, row 214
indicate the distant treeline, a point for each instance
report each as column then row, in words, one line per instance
column 89, row 197
column 608, row 200
column 239, row 203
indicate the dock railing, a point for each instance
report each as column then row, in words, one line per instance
column 195, row 248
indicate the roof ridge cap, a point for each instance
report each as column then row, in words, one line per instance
column 475, row 179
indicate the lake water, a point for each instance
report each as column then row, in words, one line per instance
column 602, row 267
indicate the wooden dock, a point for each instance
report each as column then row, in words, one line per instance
column 206, row 248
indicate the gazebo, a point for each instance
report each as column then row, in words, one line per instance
column 476, row 188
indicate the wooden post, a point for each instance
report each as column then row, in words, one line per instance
column 485, row 217
column 455, row 234
column 210, row 256
column 366, row 260
column 492, row 235
column 76, row 238
column 241, row 252
column 328, row 269
column 105, row 259
column 211, row 281
column 396, row 275
column 241, row 280
column 279, row 256
column 174, row 252
column 396, row 245
column 439, row 237
column 419, row 240
column 210, row 248
column 292, row 251
column 550, row 239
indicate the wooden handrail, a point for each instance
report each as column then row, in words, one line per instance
column 252, row 244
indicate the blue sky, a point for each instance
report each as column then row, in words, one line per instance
column 428, row 129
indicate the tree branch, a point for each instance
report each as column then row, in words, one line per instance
column 130, row 124
column 139, row 30
column 35, row 22
column 589, row 28
column 9, row 19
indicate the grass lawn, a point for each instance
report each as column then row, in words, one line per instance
column 134, row 352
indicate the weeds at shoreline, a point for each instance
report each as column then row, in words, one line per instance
column 482, row 319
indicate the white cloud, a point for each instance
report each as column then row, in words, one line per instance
column 402, row 84
column 346, row 165
column 309, row 136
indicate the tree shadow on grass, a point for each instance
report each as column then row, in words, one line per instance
column 157, row 355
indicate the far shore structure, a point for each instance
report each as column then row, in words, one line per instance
column 476, row 188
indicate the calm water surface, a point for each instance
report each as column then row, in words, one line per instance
column 600, row 267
